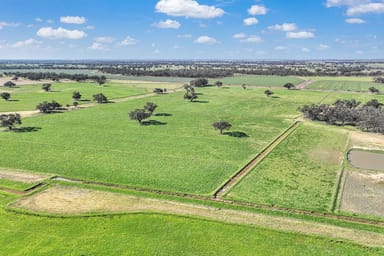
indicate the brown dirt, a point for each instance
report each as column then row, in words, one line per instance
column 21, row 176
column 304, row 84
column 363, row 193
column 367, row 140
column 366, row 160
column 71, row 200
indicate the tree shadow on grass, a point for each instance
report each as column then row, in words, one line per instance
column 26, row 129
column 152, row 122
column 12, row 100
column 162, row 114
column 236, row 134
column 275, row 97
column 201, row 101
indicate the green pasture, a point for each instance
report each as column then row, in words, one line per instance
column 26, row 97
column 181, row 153
column 299, row 173
column 340, row 78
column 154, row 234
column 5, row 183
column 258, row 80
column 345, row 85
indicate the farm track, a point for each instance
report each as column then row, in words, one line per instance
column 255, row 161
column 304, row 84
column 222, row 200
column 30, row 113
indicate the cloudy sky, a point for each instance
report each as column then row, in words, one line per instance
column 191, row 29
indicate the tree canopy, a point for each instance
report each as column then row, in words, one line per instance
column 222, row 125
column 10, row 120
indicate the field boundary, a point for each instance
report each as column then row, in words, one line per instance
column 223, row 189
column 337, row 191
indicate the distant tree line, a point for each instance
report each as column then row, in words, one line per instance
column 368, row 117
column 56, row 77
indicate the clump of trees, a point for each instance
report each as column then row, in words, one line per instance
column 367, row 117
column 9, row 84
column 5, row 95
column 100, row 98
column 219, row 84
column 10, row 120
column 222, row 125
column 144, row 113
column 56, row 77
column 190, row 93
column 48, row 107
column 200, row 82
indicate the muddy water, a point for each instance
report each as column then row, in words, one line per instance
column 366, row 160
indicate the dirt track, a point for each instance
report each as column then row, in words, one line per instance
column 72, row 200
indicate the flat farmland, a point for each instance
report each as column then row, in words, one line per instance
column 258, row 80
column 345, row 85
column 300, row 173
column 26, row 97
column 181, row 152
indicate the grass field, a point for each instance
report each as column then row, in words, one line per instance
column 255, row 80
column 345, row 85
column 300, row 173
column 184, row 154
column 26, row 97
column 5, row 183
column 154, row 234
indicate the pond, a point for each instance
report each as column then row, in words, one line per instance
column 366, row 160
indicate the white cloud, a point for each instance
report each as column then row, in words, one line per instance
column 105, row 39
column 239, row 36
column 185, row 36
column 188, row 8
column 336, row 3
column 97, row 46
column 281, row 48
column 60, row 33
column 28, row 42
column 250, row 21
column 8, row 24
column 251, row 39
column 167, row 24
column 323, row 47
column 305, row 50
column 206, row 40
column 38, row 19
column 257, row 10
column 300, row 35
column 286, row 27
column 355, row 21
column 72, row 19
column 376, row 8
column 90, row 27
column 128, row 41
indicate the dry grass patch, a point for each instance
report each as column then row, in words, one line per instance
column 71, row 200
column 21, row 176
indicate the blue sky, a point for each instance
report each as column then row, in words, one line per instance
column 192, row 29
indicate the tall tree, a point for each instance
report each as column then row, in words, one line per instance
column 191, row 96
column 221, row 125
column 219, row 84
column 268, row 92
column 76, row 95
column 46, row 87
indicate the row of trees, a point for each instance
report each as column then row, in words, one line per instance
column 36, row 76
column 368, row 116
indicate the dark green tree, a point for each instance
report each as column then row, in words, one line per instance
column 9, row 84
column 150, row 107
column 191, row 96
column 139, row 115
column 5, row 95
column 219, row 84
column 268, row 92
column 48, row 107
column 100, row 98
column 46, row 87
column 10, row 120
column 289, row 86
column 76, row 95
column 222, row 125
column 373, row 90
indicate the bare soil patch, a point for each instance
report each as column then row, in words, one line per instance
column 21, row 176
column 304, row 84
column 72, row 200
column 363, row 193
column 367, row 140
column 366, row 160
